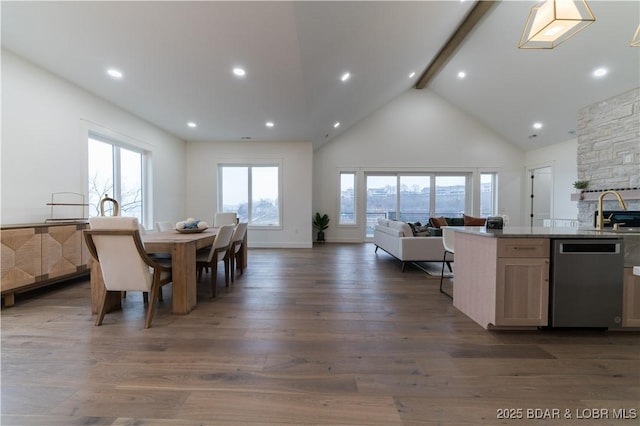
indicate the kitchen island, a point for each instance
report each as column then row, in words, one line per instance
column 503, row 277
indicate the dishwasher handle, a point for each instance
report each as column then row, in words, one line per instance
column 590, row 248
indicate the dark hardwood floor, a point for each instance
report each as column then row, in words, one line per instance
column 331, row 335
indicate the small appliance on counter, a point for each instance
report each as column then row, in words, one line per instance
column 495, row 222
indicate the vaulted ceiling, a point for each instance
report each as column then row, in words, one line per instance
column 177, row 60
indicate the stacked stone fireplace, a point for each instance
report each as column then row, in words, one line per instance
column 609, row 153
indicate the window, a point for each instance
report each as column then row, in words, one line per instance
column 118, row 172
column 414, row 197
column 347, row 198
column 487, row 194
column 252, row 191
column 451, row 196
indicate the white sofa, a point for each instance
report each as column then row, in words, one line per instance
column 396, row 238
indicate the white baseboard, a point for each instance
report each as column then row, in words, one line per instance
column 280, row 245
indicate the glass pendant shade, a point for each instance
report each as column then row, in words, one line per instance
column 553, row 22
column 636, row 38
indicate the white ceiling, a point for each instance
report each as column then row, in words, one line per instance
column 177, row 59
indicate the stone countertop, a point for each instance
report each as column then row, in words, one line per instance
column 539, row 232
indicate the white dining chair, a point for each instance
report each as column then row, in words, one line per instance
column 164, row 226
column 236, row 249
column 448, row 242
column 225, row 218
column 218, row 252
column 116, row 244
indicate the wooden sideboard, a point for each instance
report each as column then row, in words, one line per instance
column 40, row 254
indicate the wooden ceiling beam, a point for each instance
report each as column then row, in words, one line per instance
column 477, row 12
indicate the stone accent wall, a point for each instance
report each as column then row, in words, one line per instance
column 609, row 150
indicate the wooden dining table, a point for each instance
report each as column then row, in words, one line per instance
column 182, row 247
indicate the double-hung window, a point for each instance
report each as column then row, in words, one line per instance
column 252, row 191
column 117, row 171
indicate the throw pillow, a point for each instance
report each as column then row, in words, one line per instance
column 474, row 221
column 437, row 222
column 413, row 228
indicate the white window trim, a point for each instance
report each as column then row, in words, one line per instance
column 93, row 130
column 263, row 163
column 356, row 203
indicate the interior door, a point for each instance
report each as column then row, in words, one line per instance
column 540, row 195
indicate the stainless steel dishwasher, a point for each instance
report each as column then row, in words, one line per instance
column 586, row 283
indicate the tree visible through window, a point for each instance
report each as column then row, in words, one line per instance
column 252, row 191
column 116, row 171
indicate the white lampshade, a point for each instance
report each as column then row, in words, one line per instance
column 553, row 22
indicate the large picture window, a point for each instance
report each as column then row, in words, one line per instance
column 116, row 171
column 414, row 197
column 252, row 191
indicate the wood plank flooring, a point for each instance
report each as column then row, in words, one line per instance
column 331, row 335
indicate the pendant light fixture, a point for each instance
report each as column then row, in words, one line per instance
column 552, row 22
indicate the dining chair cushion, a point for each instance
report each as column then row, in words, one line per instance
column 122, row 267
column 225, row 218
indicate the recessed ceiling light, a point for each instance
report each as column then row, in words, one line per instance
column 114, row 73
column 412, row 74
column 192, row 124
column 336, row 124
column 240, row 72
column 600, row 72
column 537, row 125
column 346, row 76
column 462, row 74
column 269, row 124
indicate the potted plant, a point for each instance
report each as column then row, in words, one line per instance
column 320, row 222
column 581, row 184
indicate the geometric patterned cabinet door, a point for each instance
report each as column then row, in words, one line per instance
column 20, row 257
column 38, row 255
column 61, row 251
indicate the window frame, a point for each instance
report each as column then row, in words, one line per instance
column 117, row 143
column 356, row 220
column 494, row 192
column 250, row 166
column 469, row 189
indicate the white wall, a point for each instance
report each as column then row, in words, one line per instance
column 44, row 144
column 296, row 159
column 418, row 131
column 561, row 157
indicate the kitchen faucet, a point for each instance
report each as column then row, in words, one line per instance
column 601, row 219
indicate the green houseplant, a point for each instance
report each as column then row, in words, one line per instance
column 581, row 184
column 320, row 222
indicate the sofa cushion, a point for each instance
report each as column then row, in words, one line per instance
column 383, row 221
column 402, row 227
column 474, row 221
column 455, row 221
column 419, row 230
column 437, row 222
